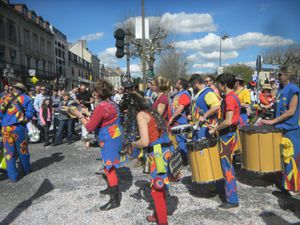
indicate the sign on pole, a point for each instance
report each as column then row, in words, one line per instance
column 138, row 28
column 31, row 72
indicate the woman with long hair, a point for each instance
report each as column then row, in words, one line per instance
column 161, row 86
column 155, row 142
column 45, row 115
column 106, row 117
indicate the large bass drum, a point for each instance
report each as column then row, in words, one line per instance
column 261, row 148
column 204, row 160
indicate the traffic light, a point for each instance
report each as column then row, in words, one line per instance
column 119, row 35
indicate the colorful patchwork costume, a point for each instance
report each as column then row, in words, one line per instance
column 291, row 137
column 202, row 102
column 181, row 98
column 228, row 145
column 244, row 97
column 14, row 131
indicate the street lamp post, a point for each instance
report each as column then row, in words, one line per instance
column 223, row 36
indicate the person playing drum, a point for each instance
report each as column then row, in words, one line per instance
column 178, row 113
column 287, row 118
column 154, row 140
column 106, row 117
column 245, row 98
column 205, row 106
column 228, row 137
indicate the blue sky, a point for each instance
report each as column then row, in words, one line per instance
column 253, row 25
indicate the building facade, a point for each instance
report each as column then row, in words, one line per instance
column 80, row 49
column 112, row 75
column 26, row 43
column 61, row 57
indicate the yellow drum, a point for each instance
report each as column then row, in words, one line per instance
column 204, row 159
column 261, row 148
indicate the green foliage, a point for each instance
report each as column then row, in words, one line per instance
column 240, row 69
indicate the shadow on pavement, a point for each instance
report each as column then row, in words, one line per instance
column 254, row 179
column 205, row 190
column 125, row 178
column 44, row 188
column 271, row 218
column 47, row 161
column 287, row 202
column 143, row 193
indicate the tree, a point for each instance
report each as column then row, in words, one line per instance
column 156, row 43
column 240, row 69
column 172, row 65
column 284, row 56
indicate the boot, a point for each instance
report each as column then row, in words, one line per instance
column 114, row 201
column 151, row 219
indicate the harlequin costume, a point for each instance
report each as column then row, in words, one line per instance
column 228, row 144
column 159, row 154
column 13, row 122
column 291, row 137
column 181, row 98
column 106, row 117
column 202, row 102
column 245, row 98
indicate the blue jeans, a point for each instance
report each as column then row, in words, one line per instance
column 62, row 125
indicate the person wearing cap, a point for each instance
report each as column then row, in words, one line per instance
column 274, row 86
column 245, row 99
column 15, row 111
column 287, row 116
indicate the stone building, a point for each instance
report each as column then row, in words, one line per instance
column 26, row 43
column 113, row 75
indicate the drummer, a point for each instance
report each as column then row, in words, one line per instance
column 287, row 118
column 245, row 99
column 205, row 106
column 178, row 113
column 228, row 137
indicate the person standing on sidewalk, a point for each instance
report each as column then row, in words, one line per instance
column 106, row 117
column 227, row 130
column 16, row 109
column 85, row 99
column 56, row 101
column 45, row 114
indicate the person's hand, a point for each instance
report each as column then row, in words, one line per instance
column 268, row 122
column 85, row 111
column 75, row 112
column 189, row 117
column 201, row 119
column 211, row 130
column 171, row 120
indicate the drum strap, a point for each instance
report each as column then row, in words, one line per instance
column 200, row 145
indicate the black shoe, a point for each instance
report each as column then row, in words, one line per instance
column 114, row 201
column 46, row 144
column 105, row 191
column 55, row 144
column 227, row 206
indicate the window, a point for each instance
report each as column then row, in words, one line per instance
column 42, row 40
column 26, row 38
column 11, row 31
column 35, row 42
column 24, row 11
column 33, row 17
column 49, row 48
column 13, row 55
column 2, row 28
column 2, row 56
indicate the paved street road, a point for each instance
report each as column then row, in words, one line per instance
column 63, row 189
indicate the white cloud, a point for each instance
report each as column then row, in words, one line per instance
column 188, row 22
column 92, row 37
column 135, row 69
column 249, row 63
column 108, row 57
column 211, row 42
column 182, row 22
column 212, row 56
column 204, row 65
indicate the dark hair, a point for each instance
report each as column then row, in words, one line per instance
column 45, row 106
column 162, row 83
column 134, row 103
column 226, row 79
column 241, row 82
column 212, row 77
column 196, row 78
column 184, row 83
column 104, row 89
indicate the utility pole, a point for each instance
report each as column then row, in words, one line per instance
column 143, row 45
